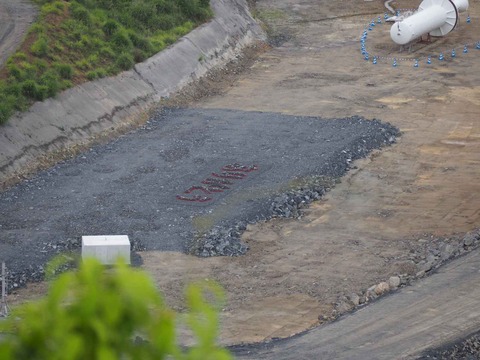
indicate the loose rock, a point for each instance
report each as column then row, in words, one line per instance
column 382, row 288
column 394, row 282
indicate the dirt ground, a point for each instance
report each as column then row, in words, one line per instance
column 366, row 227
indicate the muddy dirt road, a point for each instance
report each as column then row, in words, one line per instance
column 377, row 222
column 15, row 18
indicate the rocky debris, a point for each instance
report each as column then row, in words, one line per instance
column 344, row 305
column 223, row 240
column 19, row 278
column 394, row 282
column 382, row 288
column 355, row 299
column 220, row 242
column 226, row 241
column 291, row 203
column 464, row 349
column 428, row 256
column 137, row 245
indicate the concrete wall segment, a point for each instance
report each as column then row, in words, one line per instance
column 78, row 114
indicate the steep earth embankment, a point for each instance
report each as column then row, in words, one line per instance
column 82, row 113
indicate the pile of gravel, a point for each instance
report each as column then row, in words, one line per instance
column 465, row 349
column 225, row 241
column 220, row 242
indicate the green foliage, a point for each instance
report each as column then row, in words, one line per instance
column 88, row 39
column 19, row 56
column 121, row 40
column 52, row 8
column 125, row 61
column 101, row 73
column 50, row 80
column 37, row 28
column 91, row 75
column 80, row 13
column 64, row 70
column 110, row 27
column 16, row 72
column 29, row 88
column 6, row 108
column 96, row 313
column 40, row 47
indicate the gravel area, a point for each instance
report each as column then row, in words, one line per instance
column 188, row 180
column 464, row 349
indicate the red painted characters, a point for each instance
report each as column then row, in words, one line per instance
column 218, row 182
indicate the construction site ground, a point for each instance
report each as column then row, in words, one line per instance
column 367, row 227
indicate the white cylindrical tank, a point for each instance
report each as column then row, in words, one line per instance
column 434, row 17
column 461, row 5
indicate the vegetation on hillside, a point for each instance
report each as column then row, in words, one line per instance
column 80, row 40
column 109, row 314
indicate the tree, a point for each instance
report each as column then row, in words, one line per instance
column 98, row 313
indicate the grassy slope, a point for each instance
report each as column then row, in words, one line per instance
column 76, row 41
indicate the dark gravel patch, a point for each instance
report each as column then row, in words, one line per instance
column 187, row 175
column 463, row 349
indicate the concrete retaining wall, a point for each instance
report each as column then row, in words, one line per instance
column 78, row 114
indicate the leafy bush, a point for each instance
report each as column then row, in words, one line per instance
column 52, row 8
column 40, row 47
column 139, row 41
column 125, row 61
column 37, row 28
column 121, row 40
column 29, row 88
column 110, row 27
column 96, row 313
column 19, row 56
column 50, row 80
column 91, row 75
column 64, row 70
column 81, row 14
column 6, row 110
column 16, row 72
column 101, row 73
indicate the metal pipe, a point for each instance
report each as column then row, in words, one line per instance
column 3, row 299
column 434, row 17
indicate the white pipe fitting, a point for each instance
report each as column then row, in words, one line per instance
column 434, row 17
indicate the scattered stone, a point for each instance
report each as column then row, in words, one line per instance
column 427, row 266
column 355, row 299
column 343, row 306
column 420, row 274
column 403, row 279
column 394, row 282
column 382, row 288
column 362, row 300
column 467, row 349
column 322, row 318
column 221, row 242
column 469, row 239
column 370, row 294
column 446, row 251
column 225, row 241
